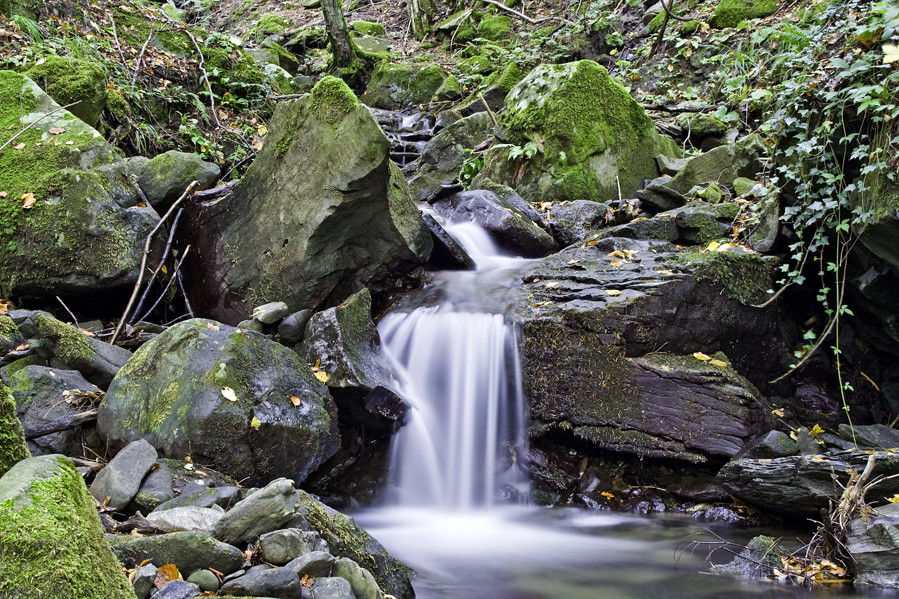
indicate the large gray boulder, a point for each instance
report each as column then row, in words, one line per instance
column 873, row 543
column 231, row 399
column 321, row 213
column 189, row 551
column 81, row 230
column 51, row 538
column 591, row 139
column 165, row 177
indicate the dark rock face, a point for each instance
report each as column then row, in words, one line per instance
column 321, row 213
column 872, row 542
column 229, row 398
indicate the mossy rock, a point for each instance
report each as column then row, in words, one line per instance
column 269, row 25
column 22, row 8
column 166, row 176
column 368, row 28
column 51, row 540
column 742, row 276
column 689, row 27
column 449, row 91
column 594, row 141
column 69, row 80
column 730, row 13
column 495, row 28
column 83, row 222
column 13, row 448
column 394, row 87
column 223, row 396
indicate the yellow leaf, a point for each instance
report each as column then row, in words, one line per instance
column 307, row 581
column 890, row 53
column 255, row 423
column 166, row 574
column 295, row 400
column 613, row 292
column 701, row 356
column 229, row 394
column 818, row 458
column 27, row 200
column 718, row 363
column 594, row 242
column 607, row 495
column 894, row 498
column 165, row 270
column 616, row 254
column 778, row 412
column 816, row 430
column 616, row 263
column 713, row 246
column 321, row 375
column 261, row 130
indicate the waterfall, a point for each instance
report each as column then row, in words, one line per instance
column 459, row 366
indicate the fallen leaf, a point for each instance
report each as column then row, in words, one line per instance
column 778, row 412
column 255, row 423
column 307, row 581
column 261, row 130
column 229, row 394
column 607, row 495
column 166, row 574
column 890, row 53
column 295, row 400
column 718, row 363
column 69, row 143
column 594, row 242
column 613, row 292
column 27, row 200
column 321, row 375
column 3, row 195
column 616, row 263
column 55, row 130
column 140, row 205
column 552, row 284
column 213, row 327
column 573, row 261
column 20, row 146
column 894, row 498
column 818, row 458
column 701, row 356
column 816, row 430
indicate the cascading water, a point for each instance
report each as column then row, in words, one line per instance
column 459, row 364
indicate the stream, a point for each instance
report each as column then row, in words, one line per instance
column 456, row 503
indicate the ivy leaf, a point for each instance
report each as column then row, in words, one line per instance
column 890, row 53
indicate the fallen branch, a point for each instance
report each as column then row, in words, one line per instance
column 140, row 57
column 200, row 66
column 167, row 287
column 143, row 262
column 30, row 125
column 677, row 108
column 165, row 255
column 523, row 16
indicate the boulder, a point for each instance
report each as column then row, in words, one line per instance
column 51, row 538
column 361, row 581
column 282, row 546
column 394, row 87
column 229, row 398
column 592, row 140
column 343, row 343
column 263, row 581
column 83, row 232
column 120, row 479
column 442, row 157
column 332, row 587
column 314, row 564
column 572, row 222
column 873, row 543
column 201, row 519
column 165, row 177
column 69, row 80
column 509, row 226
column 52, row 406
column 189, row 551
column 261, row 512
column 13, row 447
column 321, row 213
column 348, row 539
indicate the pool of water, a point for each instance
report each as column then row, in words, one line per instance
column 530, row 553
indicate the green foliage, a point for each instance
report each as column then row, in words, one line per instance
column 471, row 166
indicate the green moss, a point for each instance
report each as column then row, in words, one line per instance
column 730, row 13
column 476, row 65
column 117, row 105
column 745, row 277
column 71, row 346
column 8, row 329
column 508, row 78
column 270, row 24
column 368, row 28
column 495, row 28
column 10, row 370
column 332, row 100
column 21, row 385
column 69, row 80
column 656, row 22
column 689, row 28
column 54, row 548
column 13, row 447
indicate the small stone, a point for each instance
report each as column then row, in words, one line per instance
column 361, row 580
column 261, row 581
column 263, row 511
column 316, row 564
column 187, row 518
column 205, row 579
column 122, row 476
column 773, row 444
column 332, row 588
column 143, row 581
column 281, row 546
column 290, row 330
column 177, row 589
column 156, row 489
column 270, row 313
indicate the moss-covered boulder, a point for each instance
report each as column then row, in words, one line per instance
column 495, row 28
column 730, row 13
column 394, row 87
column 587, row 137
column 51, row 540
column 69, row 80
column 321, row 213
column 70, row 223
column 166, row 176
column 229, row 398
column 13, row 448
column 24, row 8
column 368, row 28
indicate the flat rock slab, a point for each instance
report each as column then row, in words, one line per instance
column 188, row 550
column 121, row 478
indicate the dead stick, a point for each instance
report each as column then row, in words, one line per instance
column 522, row 16
column 30, row 125
column 168, row 285
column 143, row 262
column 140, row 57
column 75, row 320
column 165, row 254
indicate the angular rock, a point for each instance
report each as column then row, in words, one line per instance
column 873, row 543
column 157, row 488
column 223, row 396
column 120, row 479
column 84, row 233
column 50, row 421
column 315, row 564
column 361, row 581
column 773, row 444
column 189, row 551
column 700, row 223
column 573, row 222
column 262, row 581
column 143, row 580
column 281, row 546
column 332, row 588
column 165, row 177
column 394, row 87
column 69, row 80
column 321, row 213
column 442, row 157
column 593, row 141
column 51, row 537
column 270, row 313
column 186, row 518
column 447, row 253
column 873, row 436
column 177, row 589
column 348, row 539
column 507, row 224
column 261, row 512
column 344, row 343
column 13, row 447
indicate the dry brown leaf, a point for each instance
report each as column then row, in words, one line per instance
column 295, row 400
column 20, row 146
column 166, row 574
column 28, row 200
column 55, row 130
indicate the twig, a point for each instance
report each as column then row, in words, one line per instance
column 286, row 97
column 190, row 311
column 140, row 56
column 143, row 262
column 523, row 16
column 489, row 112
column 118, row 46
column 165, row 254
column 30, row 125
column 676, row 108
column 168, row 285
column 215, row 116
column 75, row 320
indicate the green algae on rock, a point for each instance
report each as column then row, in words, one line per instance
column 13, row 447
column 69, row 80
column 730, row 13
column 51, row 540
